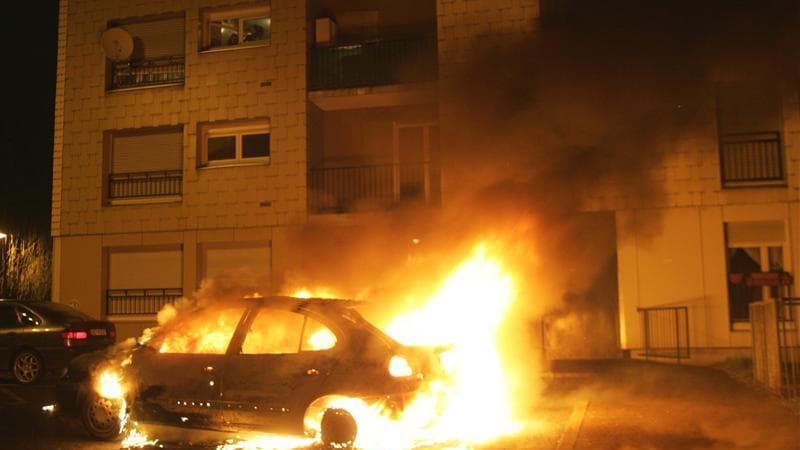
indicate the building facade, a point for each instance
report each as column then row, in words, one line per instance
column 196, row 136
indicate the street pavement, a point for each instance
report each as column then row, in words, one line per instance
column 598, row 405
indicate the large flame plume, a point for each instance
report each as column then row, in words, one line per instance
column 469, row 403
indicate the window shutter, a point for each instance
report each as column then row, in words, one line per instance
column 145, row 270
column 158, row 38
column 147, row 152
column 748, row 233
column 256, row 259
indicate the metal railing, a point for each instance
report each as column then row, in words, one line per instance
column 751, row 157
column 666, row 332
column 139, row 301
column 147, row 72
column 776, row 345
column 144, row 184
column 345, row 189
column 373, row 63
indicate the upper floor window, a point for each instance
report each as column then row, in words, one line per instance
column 750, row 142
column 144, row 162
column 234, row 143
column 236, row 27
column 145, row 52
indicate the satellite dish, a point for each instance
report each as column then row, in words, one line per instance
column 117, row 44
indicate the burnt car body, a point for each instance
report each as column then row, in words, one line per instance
column 260, row 374
column 40, row 337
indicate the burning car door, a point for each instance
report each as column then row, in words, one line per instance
column 282, row 365
column 179, row 371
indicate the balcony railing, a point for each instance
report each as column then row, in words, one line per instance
column 747, row 158
column 373, row 63
column 144, row 184
column 346, row 189
column 148, row 72
column 139, row 301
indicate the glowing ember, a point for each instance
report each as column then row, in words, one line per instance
column 135, row 439
column 269, row 442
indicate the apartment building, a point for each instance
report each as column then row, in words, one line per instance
column 195, row 136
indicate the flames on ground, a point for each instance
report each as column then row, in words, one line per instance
column 471, row 403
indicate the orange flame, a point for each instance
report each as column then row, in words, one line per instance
column 470, row 404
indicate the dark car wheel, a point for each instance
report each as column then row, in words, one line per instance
column 27, row 367
column 338, row 428
column 100, row 416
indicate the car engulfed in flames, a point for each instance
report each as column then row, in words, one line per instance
column 292, row 372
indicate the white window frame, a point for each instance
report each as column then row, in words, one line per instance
column 763, row 252
column 210, row 130
column 242, row 13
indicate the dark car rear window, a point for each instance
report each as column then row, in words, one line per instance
column 59, row 313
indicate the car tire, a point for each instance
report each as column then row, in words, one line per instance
column 27, row 367
column 338, row 428
column 100, row 416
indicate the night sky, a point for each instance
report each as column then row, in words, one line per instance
column 27, row 117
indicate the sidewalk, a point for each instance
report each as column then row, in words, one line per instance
column 636, row 405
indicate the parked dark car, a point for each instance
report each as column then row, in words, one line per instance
column 40, row 337
column 260, row 365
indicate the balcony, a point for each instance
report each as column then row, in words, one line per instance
column 144, row 184
column 751, row 159
column 139, row 301
column 376, row 63
column 147, row 72
column 371, row 187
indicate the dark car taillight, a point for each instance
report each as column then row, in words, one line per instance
column 73, row 338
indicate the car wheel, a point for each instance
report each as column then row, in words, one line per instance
column 100, row 416
column 27, row 367
column 338, row 428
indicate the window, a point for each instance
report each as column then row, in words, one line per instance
column 240, row 143
column 753, row 247
column 157, row 57
column 749, row 118
column 8, row 317
column 236, row 27
column 143, row 280
column 204, row 332
column 279, row 332
column 145, row 163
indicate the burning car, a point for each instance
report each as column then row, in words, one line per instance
column 270, row 364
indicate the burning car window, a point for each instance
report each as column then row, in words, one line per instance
column 317, row 336
column 206, row 332
column 279, row 332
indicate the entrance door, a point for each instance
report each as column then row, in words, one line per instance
column 585, row 326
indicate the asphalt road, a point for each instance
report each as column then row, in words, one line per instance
column 619, row 405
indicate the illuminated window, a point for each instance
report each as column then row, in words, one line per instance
column 236, row 27
column 234, row 143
